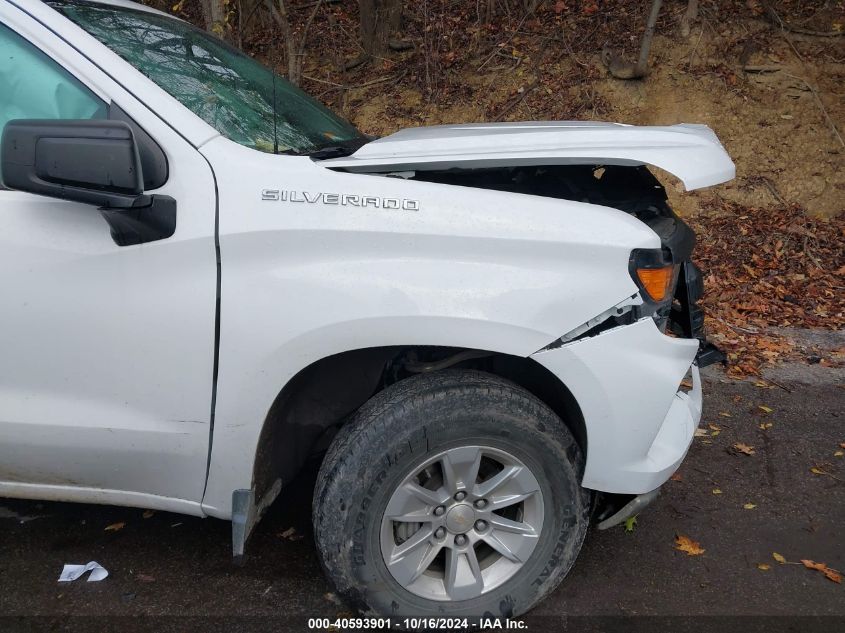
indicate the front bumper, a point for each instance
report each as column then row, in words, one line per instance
column 627, row 383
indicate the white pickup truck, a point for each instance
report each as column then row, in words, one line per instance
column 208, row 278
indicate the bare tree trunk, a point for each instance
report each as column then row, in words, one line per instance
column 645, row 47
column 214, row 15
column 380, row 22
column 621, row 69
column 280, row 15
column 690, row 16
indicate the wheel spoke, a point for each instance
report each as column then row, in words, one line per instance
column 497, row 503
column 512, row 485
column 496, row 543
column 460, row 468
column 498, row 480
column 514, row 527
column 410, row 567
column 420, row 516
column 423, row 495
column 417, row 540
column 463, row 578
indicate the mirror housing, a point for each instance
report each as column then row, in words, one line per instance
column 89, row 161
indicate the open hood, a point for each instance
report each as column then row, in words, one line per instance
column 690, row 152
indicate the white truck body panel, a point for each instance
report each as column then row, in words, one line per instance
column 472, row 268
column 690, row 152
column 87, row 411
column 107, row 371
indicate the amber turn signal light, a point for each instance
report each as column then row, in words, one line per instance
column 657, row 282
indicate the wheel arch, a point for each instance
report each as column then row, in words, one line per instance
column 307, row 411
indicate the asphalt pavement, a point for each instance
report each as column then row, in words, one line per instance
column 788, row 497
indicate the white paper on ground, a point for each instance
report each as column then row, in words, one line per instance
column 72, row 572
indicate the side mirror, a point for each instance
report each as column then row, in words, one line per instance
column 95, row 162
column 89, row 161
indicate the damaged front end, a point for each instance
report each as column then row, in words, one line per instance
column 625, row 366
column 670, row 283
column 594, row 163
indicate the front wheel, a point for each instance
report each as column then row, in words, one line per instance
column 451, row 494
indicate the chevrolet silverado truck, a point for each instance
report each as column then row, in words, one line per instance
column 208, row 279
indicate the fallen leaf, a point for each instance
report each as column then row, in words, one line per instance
column 114, row 527
column 779, row 558
column 838, row 454
column 763, row 566
column 717, row 491
column 815, row 470
column 700, row 432
column 725, row 414
column 630, row 523
column 676, row 477
column 842, row 445
column 148, row 513
column 765, row 409
column 714, row 427
column 766, row 425
column 830, row 574
column 745, row 449
column 290, row 534
column 749, row 506
column 714, row 433
column 687, row 545
column 763, row 385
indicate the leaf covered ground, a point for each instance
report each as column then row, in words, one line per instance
column 770, row 269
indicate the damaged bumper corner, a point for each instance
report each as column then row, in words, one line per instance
column 627, row 383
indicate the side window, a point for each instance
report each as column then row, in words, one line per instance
column 33, row 86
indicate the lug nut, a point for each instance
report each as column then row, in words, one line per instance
column 480, row 525
column 481, row 504
column 460, row 496
column 439, row 510
column 440, row 532
column 460, row 540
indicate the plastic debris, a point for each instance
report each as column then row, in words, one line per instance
column 72, row 572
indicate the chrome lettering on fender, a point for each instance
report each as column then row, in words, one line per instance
column 341, row 199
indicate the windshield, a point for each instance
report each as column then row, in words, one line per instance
column 230, row 91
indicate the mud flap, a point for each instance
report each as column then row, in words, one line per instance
column 246, row 514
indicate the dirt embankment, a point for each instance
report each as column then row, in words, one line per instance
column 775, row 99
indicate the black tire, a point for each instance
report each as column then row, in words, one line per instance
column 397, row 429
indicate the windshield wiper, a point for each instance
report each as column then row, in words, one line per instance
column 332, row 151
column 343, row 148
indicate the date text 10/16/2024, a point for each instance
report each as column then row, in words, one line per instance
column 412, row 624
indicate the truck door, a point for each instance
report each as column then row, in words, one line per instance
column 106, row 351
